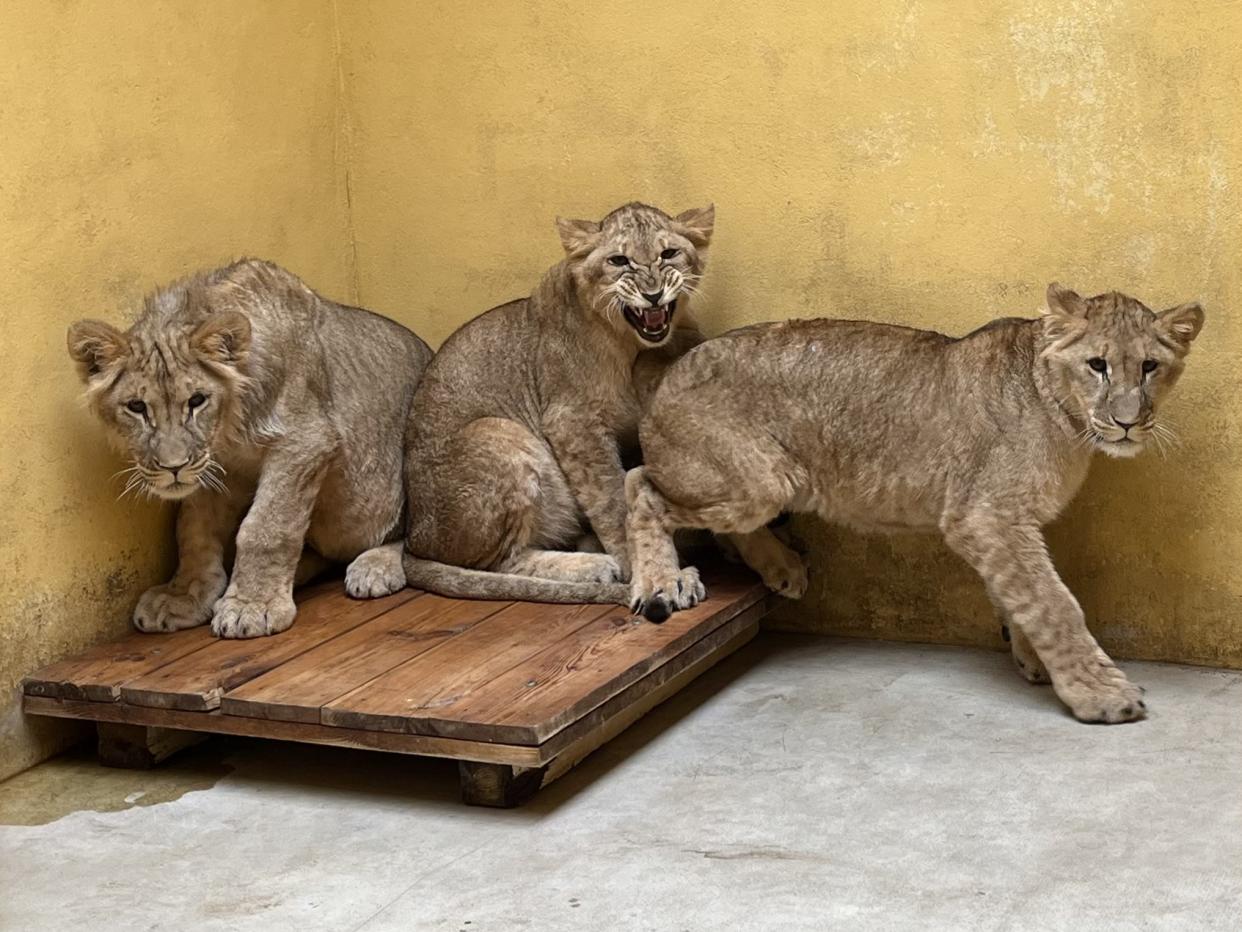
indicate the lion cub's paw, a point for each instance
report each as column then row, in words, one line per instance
column 1096, row 691
column 169, row 608
column 375, row 573
column 786, row 575
column 657, row 597
column 238, row 617
column 609, row 569
column 587, row 568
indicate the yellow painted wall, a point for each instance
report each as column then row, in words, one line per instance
column 929, row 163
column 139, row 142
column 932, row 163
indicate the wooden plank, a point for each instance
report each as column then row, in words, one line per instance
column 215, row 722
column 625, row 708
column 97, row 675
column 439, row 676
column 295, row 690
column 197, row 681
column 559, row 685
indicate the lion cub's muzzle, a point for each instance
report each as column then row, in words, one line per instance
column 174, row 481
column 652, row 323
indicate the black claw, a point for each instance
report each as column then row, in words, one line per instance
column 1142, row 705
column 658, row 609
column 636, row 606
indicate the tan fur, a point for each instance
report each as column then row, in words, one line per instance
column 297, row 439
column 986, row 438
column 515, row 437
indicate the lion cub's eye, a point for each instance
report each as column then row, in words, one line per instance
column 618, row 260
column 669, row 253
column 196, row 400
column 1149, row 365
column 1097, row 364
column 138, row 407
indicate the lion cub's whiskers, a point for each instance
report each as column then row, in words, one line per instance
column 1166, row 438
column 135, row 481
column 212, row 476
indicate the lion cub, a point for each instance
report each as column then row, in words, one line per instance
column 986, row 438
column 513, row 466
column 253, row 401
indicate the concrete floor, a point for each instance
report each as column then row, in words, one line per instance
column 805, row 783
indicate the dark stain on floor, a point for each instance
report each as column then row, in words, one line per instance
column 77, row 782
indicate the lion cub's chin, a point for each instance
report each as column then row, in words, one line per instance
column 1120, row 449
column 175, row 492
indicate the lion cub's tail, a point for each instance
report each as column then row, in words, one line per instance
column 458, row 582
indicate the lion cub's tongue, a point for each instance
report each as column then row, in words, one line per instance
column 654, row 317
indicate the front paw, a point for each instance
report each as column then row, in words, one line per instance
column 173, row 606
column 375, row 573
column 657, row 596
column 1096, row 691
column 239, row 617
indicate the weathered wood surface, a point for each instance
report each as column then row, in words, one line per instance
column 197, row 681
column 525, row 689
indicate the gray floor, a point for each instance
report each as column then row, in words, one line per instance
column 805, row 783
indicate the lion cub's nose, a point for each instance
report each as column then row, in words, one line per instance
column 1124, row 425
column 654, row 299
column 173, row 469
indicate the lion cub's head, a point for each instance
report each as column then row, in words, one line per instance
column 1112, row 360
column 636, row 263
column 167, row 389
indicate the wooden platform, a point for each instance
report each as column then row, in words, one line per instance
column 518, row 692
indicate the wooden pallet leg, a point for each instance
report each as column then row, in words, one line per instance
column 501, row 786
column 140, row 747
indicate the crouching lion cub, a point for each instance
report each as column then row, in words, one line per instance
column 513, row 465
column 986, row 438
column 252, row 400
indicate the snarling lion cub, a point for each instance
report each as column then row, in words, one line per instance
column 242, row 392
column 513, row 460
column 986, row 437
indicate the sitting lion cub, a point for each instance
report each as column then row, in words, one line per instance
column 986, row 438
column 513, row 465
column 242, row 392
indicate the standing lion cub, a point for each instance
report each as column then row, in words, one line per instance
column 255, row 402
column 986, row 438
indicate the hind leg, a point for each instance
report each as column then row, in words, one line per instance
column 781, row 568
column 566, row 566
column 726, row 506
column 499, row 501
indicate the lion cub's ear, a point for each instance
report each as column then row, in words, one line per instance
column 697, row 224
column 1066, row 317
column 223, row 337
column 577, row 236
column 95, row 346
column 1181, row 324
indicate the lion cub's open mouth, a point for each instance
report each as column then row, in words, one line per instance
column 652, row 323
